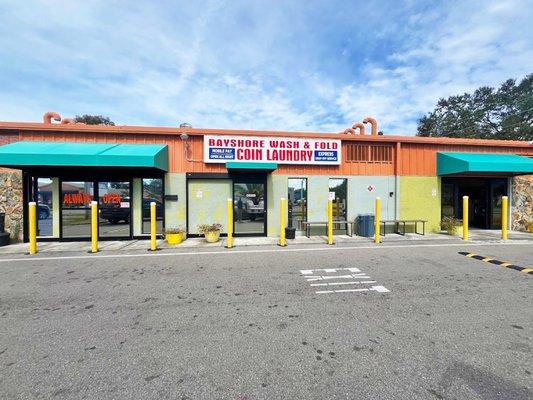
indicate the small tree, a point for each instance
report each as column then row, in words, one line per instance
column 93, row 119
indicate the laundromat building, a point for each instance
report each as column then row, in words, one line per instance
column 191, row 172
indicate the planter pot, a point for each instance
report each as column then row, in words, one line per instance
column 456, row 231
column 212, row 236
column 174, row 238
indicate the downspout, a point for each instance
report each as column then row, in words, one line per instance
column 397, row 169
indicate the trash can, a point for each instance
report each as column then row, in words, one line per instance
column 290, row 232
column 365, row 225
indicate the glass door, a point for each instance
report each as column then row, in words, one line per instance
column 76, row 208
column 249, row 208
column 115, row 211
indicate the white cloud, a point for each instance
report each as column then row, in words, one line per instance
column 253, row 65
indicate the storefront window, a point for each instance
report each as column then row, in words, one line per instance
column 45, row 207
column 114, row 205
column 297, row 202
column 448, row 206
column 152, row 192
column 339, row 187
column 75, row 208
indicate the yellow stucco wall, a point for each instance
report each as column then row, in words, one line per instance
column 420, row 199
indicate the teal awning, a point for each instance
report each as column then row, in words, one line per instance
column 75, row 154
column 251, row 166
column 461, row 163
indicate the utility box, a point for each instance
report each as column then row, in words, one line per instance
column 365, row 225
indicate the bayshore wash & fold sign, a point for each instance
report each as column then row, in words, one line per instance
column 281, row 150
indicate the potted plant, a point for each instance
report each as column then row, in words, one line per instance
column 452, row 225
column 174, row 235
column 211, row 232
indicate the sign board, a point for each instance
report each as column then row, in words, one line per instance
column 331, row 196
column 199, row 194
column 280, row 150
column 434, row 192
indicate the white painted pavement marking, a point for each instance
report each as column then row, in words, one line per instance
column 325, row 277
column 328, row 270
column 341, row 283
column 309, row 275
column 258, row 251
column 380, row 289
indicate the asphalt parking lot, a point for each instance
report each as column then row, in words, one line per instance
column 315, row 322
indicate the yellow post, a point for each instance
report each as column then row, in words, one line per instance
column 465, row 217
column 94, row 227
column 282, row 241
column 229, row 242
column 377, row 229
column 330, row 221
column 32, row 224
column 505, row 205
column 153, row 226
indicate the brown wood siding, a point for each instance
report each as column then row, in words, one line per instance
column 415, row 158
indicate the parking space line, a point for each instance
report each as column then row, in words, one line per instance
column 325, row 277
column 340, row 283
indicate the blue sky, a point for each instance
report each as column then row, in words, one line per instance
column 276, row 65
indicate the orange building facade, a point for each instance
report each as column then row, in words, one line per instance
column 193, row 186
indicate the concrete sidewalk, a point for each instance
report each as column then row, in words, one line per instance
column 483, row 236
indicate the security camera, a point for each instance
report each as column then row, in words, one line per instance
column 184, row 136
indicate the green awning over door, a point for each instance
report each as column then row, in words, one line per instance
column 461, row 163
column 251, row 166
column 74, row 154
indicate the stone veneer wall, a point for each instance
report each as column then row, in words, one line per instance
column 522, row 198
column 11, row 202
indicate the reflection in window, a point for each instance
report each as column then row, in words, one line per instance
column 75, row 208
column 448, row 206
column 44, row 207
column 339, row 186
column 114, row 205
column 152, row 191
column 297, row 204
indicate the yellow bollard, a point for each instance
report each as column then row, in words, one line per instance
column 282, row 241
column 465, row 217
column 229, row 242
column 94, row 227
column 330, row 221
column 32, row 224
column 153, row 226
column 377, row 229
column 505, row 207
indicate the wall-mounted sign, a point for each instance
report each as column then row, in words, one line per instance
column 370, row 188
column 199, row 194
column 220, row 149
column 331, row 196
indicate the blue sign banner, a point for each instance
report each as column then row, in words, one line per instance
column 220, row 153
column 330, row 155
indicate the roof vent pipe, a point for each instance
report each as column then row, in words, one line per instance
column 359, row 126
column 348, row 131
column 47, row 117
column 374, row 123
